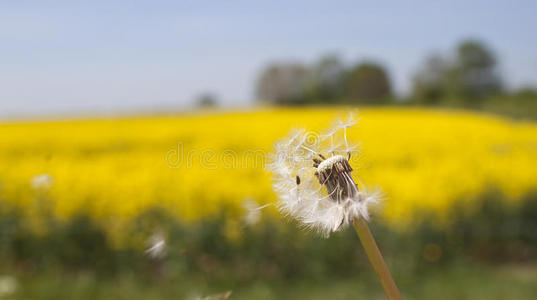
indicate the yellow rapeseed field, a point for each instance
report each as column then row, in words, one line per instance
column 192, row 164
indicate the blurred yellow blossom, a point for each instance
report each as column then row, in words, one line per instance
column 194, row 164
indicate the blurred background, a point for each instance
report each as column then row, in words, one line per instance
column 134, row 137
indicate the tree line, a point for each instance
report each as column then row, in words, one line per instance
column 327, row 81
column 466, row 76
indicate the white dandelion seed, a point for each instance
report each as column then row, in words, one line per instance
column 8, row 285
column 312, row 177
column 157, row 246
column 253, row 211
column 42, row 181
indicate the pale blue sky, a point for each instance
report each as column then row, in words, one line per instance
column 109, row 56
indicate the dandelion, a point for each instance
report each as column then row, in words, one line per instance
column 312, row 177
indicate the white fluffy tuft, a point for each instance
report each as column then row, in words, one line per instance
column 308, row 201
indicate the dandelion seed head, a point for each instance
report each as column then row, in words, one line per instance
column 312, row 178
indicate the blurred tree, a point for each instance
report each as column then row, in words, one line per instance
column 207, row 100
column 474, row 74
column 325, row 80
column 282, row 83
column 430, row 82
column 526, row 92
column 367, row 82
column 470, row 76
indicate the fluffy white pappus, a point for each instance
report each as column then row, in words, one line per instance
column 42, row 182
column 311, row 176
column 157, row 246
column 253, row 211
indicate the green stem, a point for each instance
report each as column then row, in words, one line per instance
column 373, row 253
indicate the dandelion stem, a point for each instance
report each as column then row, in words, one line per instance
column 375, row 257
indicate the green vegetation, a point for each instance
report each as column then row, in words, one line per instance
column 461, row 280
column 486, row 253
column 467, row 77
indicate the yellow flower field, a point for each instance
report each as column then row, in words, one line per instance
column 192, row 164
